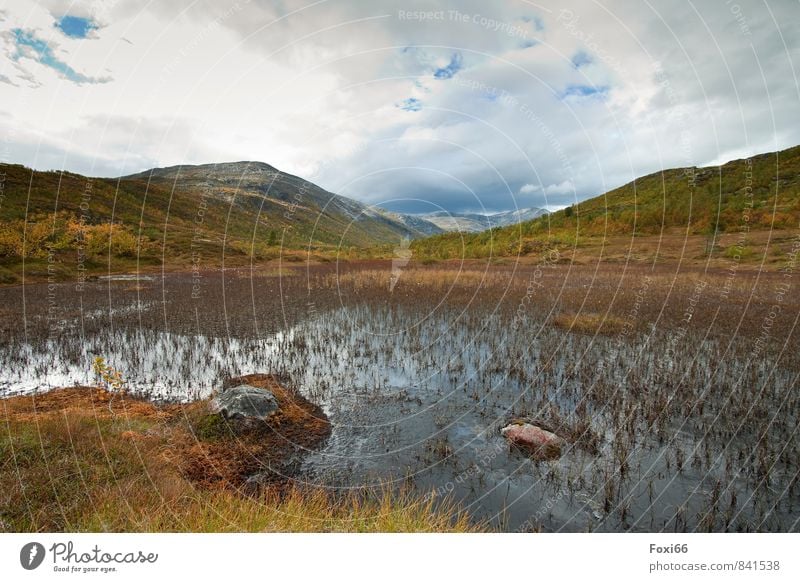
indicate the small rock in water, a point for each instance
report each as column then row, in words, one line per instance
column 542, row 444
column 245, row 402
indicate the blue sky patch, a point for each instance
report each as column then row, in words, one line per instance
column 448, row 71
column 538, row 23
column 410, row 104
column 75, row 26
column 581, row 59
column 584, row 91
column 32, row 47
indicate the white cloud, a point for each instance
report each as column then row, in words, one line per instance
column 314, row 88
column 564, row 187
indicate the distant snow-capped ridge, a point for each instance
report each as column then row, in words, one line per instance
column 473, row 222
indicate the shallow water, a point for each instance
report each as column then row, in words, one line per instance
column 416, row 396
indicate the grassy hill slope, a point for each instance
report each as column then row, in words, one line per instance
column 67, row 225
column 722, row 206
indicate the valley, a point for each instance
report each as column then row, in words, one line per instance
column 655, row 345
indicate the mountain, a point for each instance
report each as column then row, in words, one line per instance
column 180, row 215
column 417, row 222
column 69, row 225
column 457, row 222
column 471, row 222
column 512, row 217
column 761, row 193
column 283, row 200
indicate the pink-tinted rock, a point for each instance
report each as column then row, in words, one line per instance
column 542, row 444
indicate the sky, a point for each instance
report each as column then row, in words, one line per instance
column 415, row 106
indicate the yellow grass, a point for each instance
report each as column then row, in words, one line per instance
column 433, row 278
column 589, row 323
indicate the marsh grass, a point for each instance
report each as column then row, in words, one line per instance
column 694, row 390
column 433, row 278
column 589, row 323
column 78, row 461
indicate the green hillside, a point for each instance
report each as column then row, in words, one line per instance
column 67, row 226
column 761, row 193
column 190, row 216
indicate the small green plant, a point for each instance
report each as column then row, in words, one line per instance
column 109, row 377
column 211, row 427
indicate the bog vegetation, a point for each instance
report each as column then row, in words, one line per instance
column 675, row 391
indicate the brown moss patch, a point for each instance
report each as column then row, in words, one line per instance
column 85, row 399
column 203, row 447
column 223, row 456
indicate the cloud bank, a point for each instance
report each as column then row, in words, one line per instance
column 460, row 105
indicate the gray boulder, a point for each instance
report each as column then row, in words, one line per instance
column 245, row 403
